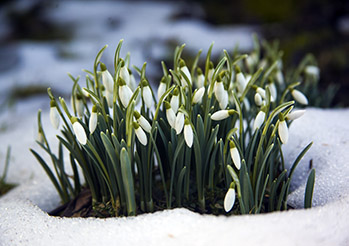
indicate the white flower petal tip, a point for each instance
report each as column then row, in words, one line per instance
column 299, row 97
column 197, row 98
column 40, row 138
column 161, row 89
column 174, row 103
column 283, row 131
column 258, row 99
column 125, row 94
column 240, row 81
column 229, row 200
column 144, row 124
column 179, row 122
column 259, row 120
column 171, row 117
column 147, row 96
column 80, row 133
column 200, row 81
column 110, row 97
column 188, row 135
column 93, row 122
column 124, row 74
column 312, row 71
column 140, row 134
column 235, row 156
column 222, row 114
column 185, row 70
column 107, row 79
column 54, row 117
column 295, row 114
column 221, row 94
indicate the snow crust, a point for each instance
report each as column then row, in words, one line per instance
column 23, row 220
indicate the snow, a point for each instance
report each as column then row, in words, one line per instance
column 23, row 220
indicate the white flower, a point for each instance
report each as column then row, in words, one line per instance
column 125, row 93
column 161, row 89
column 246, row 104
column 261, row 92
column 229, row 200
column 147, row 96
column 312, row 70
column 79, row 107
column 170, row 115
column 54, row 116
column 142, row 121
column 240, row 80
column 299, row 97
column 258, row 99
column 40, row 137
column 201, row 79
column 188, row 133
column 273, row 92
column 124, row 74
column 179, row 122
column 198, row 94
column 222, row 114
column 107, row 79
column 259, row 120
column 221, row 94
column 210, row 72
column 93, row 120
column 110, row 97
column 283, row 131
column 79, row 131
column 140, row 134
column 295, row 114
column 279, row 77
column 175, row 100
column 185, row 70
column 133, row 84
column 235, row 156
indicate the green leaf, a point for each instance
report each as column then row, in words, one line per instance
column 309, row 190
column 127, row 179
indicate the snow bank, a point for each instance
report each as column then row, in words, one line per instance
column 24, row 222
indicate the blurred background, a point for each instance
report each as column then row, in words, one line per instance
column 40, row 41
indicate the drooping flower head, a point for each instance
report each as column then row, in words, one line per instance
column 54, row 115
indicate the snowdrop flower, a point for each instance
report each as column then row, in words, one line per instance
column 146, row 94
column 261, row 92
column 312, row 70
column 258, row 99
column 185, row 70
column 170, row 115
column 124, row 74
column 54, row 115
column 295, row 114
column 273, row 91
column 283, row 130
column 229, row 199
column 179, row 122
column 79, row 131
column 235, row 156
column 198, row 94
column 279, row 77
column 188, row 133
column 246, row 104
column 142, row 121
column 251, row 60
column 201, row 78
column 125, row 92
column 79, row 106
column 93, row 120
column 259, row 119
column 84, row 92
column 221, row 94
column 107, row 79
column 210, row 71
column 161, row 88
column 240, row 80
column 175, row 100
column 133, row 84
column 140, row 134
column 222, row 114
column 299, row 97
column 40, row 137
column 110, row 97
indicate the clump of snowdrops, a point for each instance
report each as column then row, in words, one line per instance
column 209, row 138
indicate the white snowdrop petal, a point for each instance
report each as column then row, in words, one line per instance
column 93, row 122
column 283, row 131
column 235, row 156
column 147, row 96
column 144, row 124
column 125, row 75
column 141, row 136
column 79, row 107
column 295, row 114
column 185, row 70
column 200, row 81
column 220, row 115
column 241, row 82
column 54, row 117
column 179, row 122
column 261, row 92
column 229, row 200
column 259, row 120
column 312, row 70
column 107, row 80
column 109, row 96
column 273, row 92
column 161, row 90
column 258, row 99
column 197, row 98
column 80, row 132
column 246, row 104
column 125, row 95
column 223, row 102
column 133, row 84
column 188, row 135
column 171, row 117
column 299, row 97
column 174, row 103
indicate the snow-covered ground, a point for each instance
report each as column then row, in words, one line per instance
column 23, row 220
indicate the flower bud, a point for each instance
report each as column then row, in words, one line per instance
column 259, row 120
column 147, row 95
column 125, row 92
column 140, row 134
column 175, row 100
column 222, row 114
column 142, row 121
column 79, row 131
column 198, row 94
column 170, row 115
column 201, row 78
column 54, row 115
column 188, row 133
column 185, row 70
column 229, row 199
column 299, row 97
column 179, row 122
column 235, row 156
column 258, row 99
column 295, row 114
column 93, row 120
column 161, row 88
column 107, row 79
